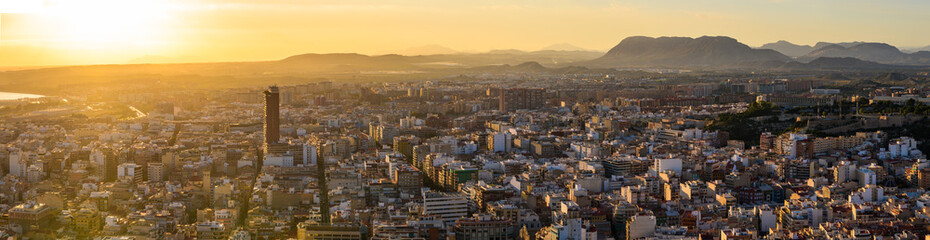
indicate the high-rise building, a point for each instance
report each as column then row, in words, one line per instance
column 404, row 145
column 500, row 142
column 272, row 115
column 386, row 134
column 521, row 98
column 797, row 146
column 407, row 178
column 767, row 141
column 130, row 171
column 156, row 171
column 107, row 162
column 18, row 163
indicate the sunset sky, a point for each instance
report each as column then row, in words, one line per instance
column 63, row 32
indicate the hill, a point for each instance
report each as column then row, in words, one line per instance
column 875, row 52
column 678, row 52
column 820, row 45
column 787, row 48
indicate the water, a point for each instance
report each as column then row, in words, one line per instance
column 14, row 96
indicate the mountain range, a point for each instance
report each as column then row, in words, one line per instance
column 631, row 54
column 702, row 53
column 435, row 49
column 707, row 52
column 867, row 51
column 876, row 52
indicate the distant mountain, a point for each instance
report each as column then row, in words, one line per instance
column 506, row 51
column 352, row 61
column 789, row 49
column 914, row 50
column 875, row 52
column 523, row 67
column 511, row 56
column 717, row 52
column 563, row 47
column 820, row 45
column 535, row 67
column 432, row 49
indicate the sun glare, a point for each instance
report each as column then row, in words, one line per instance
column 109, row 23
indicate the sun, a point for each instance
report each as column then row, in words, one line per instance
column 108, row 23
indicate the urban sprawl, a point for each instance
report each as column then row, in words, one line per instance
column 489, row 156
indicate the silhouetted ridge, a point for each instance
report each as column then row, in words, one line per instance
column 684, row 52
column 875, row 52
column 787, row 48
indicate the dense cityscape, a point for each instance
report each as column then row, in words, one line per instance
column 464, row 120
column 489, row 156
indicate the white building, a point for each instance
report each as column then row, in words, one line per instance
column 285, row 160
column 583, row 150
column 466, row 148
column 35, row 173
column 692, row 134
column 902, row 147
column 97, row 157
column 127, row 170
column 447, row 206
column 18, row 163
column 844, row 171
column 309, row 154
column 767, row 218
column 501, row 142
column 410, row 121
column 866, row 176
column 673, row 164
column 867, row 194
column 792, row 144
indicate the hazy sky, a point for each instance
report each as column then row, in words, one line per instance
column 115, row 31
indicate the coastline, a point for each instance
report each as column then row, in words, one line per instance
column 10, row 96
